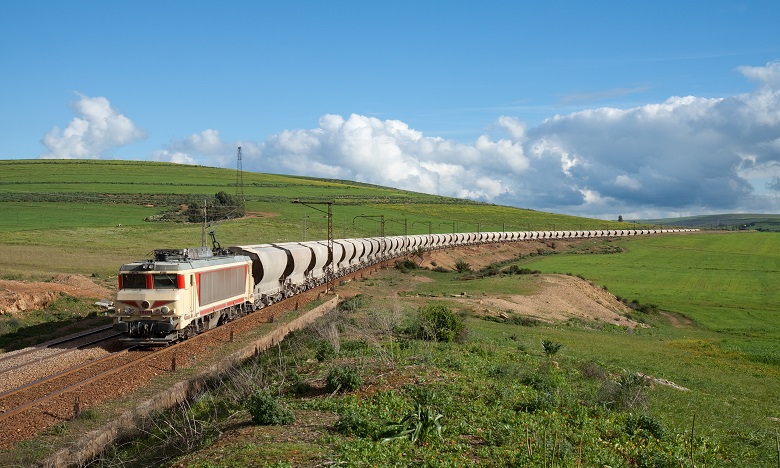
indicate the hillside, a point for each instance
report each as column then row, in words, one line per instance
column 92, row 216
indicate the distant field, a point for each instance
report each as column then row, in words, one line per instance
column 72, row 194
column 726, row 283
column 731, row 222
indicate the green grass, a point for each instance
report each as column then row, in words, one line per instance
column 501, row 399
column 725, row 282
column 88, row 216
column 20, row 216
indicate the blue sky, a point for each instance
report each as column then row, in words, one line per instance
column 639, row 109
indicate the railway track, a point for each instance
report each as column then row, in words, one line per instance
column 37, row 363
column 30, row 408
column 70, row 341
column 52, row 399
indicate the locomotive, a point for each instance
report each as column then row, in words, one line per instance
column 182, row 292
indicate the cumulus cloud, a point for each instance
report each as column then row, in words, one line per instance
column 95, row 130
column 685, row 155
column 682, row 156
column 205, row 148
column 388, row 152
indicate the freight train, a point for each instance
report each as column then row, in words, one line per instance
column 182, row 292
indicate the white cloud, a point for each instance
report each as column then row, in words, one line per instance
column 685, row 155
column 388, row 152
column 205, row 148
column 96, row 129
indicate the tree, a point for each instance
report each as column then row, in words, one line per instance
column 620, row 218
column 222, row 206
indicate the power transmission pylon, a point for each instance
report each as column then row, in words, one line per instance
column 240, row 179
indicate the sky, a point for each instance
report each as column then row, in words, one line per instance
column 600, row 109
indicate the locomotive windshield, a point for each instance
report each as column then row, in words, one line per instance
column 143, row 281
column 164, row 281
column 133, row 281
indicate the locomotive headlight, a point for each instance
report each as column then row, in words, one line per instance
column 127, row 310
column 165, row 309
column 145, row 304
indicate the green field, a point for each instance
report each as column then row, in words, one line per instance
column 726, row 283
column 88, row 216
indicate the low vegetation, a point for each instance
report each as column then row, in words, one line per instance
column 506, row 395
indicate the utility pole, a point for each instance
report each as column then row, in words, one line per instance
column 330, row 274
column 424, row 222
column 240, row 179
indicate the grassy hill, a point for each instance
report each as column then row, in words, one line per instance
column 91, row 215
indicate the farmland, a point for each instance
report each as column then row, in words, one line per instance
column 712, row 309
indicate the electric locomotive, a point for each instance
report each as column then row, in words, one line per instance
column 181, row 292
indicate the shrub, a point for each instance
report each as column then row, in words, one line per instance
column 298, row 385
column 517, row 270
column 523, row 321
column 420, row 426
column 462, row 266
column 491, row 270
column 266, row 410
column 551, row 347
column 325, row 351
column 406, row 265
column 355, row 423
column 437, row 322
column 343, row 378
column 629, row 393
column 352, row 304
column 643, row 424
column 592, row 370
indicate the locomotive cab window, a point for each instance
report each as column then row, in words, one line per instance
column 165, row 281
column 133, row 281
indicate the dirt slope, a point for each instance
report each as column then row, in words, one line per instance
column 20, row 296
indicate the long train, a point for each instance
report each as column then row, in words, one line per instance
column 182, row 292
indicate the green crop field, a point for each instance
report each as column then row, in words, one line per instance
column 89, row 216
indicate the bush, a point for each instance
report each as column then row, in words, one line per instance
column 436, row 322
column 325, row 351
column 266, row 410
column 551, row 347
column 343, row 378
column 298, row 385
column 491, row 270
column 352, row 304
column 406, row 265
column 462, row 266
column 643, row 424
column 355, row 423
column 516, row 270
column 629, row 393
